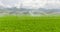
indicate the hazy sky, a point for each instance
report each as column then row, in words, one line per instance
column 30, row 3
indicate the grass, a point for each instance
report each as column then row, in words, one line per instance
column 30, row 24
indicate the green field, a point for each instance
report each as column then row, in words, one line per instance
column 30, row 24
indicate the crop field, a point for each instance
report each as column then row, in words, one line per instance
column 30, row 24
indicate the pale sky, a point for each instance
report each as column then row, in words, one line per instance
column 30, row 3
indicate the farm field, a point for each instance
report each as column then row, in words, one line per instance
column 30, row 24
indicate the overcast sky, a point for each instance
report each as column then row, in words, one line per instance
column 31, row 3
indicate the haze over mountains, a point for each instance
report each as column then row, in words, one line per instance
column 30, row 7
column 47, row 4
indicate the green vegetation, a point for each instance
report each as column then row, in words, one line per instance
column 30, row 24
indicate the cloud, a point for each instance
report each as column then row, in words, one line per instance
column 40, row 3
column 34, row 4
column 1, row 4
column 10, row 2
column 31, row 3
column 53, row 4
column 17, row 5
column 25, row 3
